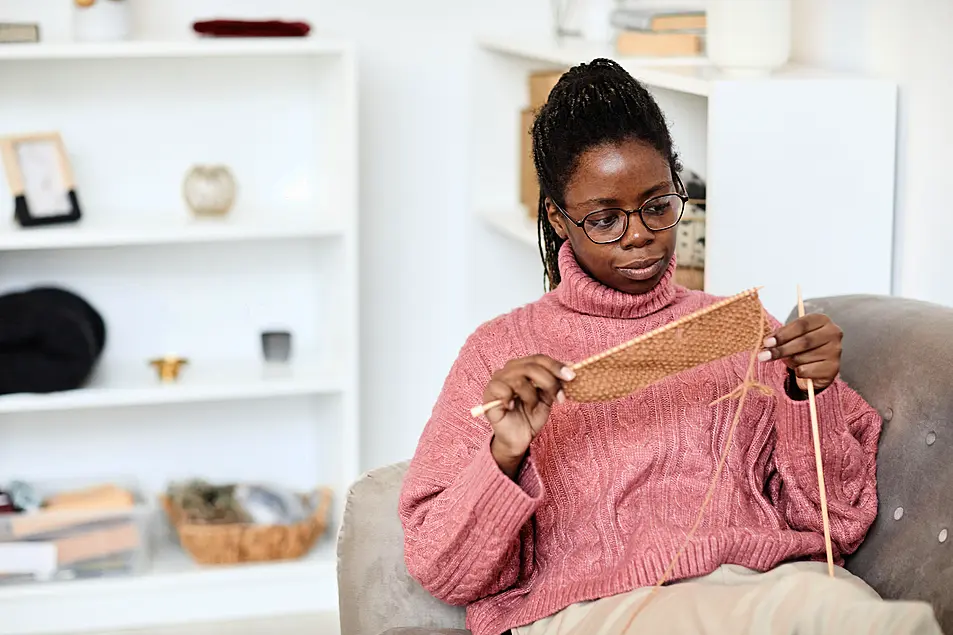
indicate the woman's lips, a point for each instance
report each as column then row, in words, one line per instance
column 642, row 270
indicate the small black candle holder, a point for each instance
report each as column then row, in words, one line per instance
column 276, row 346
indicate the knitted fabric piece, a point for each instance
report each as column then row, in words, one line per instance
column 725, row 328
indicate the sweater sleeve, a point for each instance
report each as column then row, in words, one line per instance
column 465, row 522
column 849, row 431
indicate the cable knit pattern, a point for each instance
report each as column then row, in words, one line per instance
column 609, row 490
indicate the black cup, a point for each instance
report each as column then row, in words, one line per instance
column 276, row 346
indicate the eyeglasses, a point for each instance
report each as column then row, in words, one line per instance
column 609, row 225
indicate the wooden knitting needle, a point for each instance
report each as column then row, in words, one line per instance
column 479, row 411
column 817, row 457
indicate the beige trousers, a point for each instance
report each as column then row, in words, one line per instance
column 795, row 598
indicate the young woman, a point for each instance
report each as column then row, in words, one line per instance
column 553, row 517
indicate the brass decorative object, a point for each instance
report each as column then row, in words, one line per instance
column 168, row 367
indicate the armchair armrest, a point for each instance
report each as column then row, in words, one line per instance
column 375, row 592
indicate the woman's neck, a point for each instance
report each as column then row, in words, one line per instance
column 580, row 292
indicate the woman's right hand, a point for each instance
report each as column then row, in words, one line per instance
column 528, row 387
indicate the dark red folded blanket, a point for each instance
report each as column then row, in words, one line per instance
column 251, row 28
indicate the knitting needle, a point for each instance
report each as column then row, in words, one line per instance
column 817, row 457
column 479, row 411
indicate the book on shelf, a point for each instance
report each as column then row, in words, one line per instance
column 650, row 44
column 659, row 21
column 19, row 33
column 660, row 33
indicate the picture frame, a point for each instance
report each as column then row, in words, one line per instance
column 41, row 179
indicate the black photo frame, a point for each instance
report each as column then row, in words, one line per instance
column 41, row 180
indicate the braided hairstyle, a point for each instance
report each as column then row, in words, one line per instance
column 591, row 105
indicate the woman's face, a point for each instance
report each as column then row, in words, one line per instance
column 621, row 175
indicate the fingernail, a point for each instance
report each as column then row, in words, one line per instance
column 568, row 373
column 764, row 356
column 770, row 342
column 561, row 397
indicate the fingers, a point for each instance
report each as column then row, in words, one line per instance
column 824, row 352
column 808, row 339
column 801, row 326
column 810, row 346
column 820, row 372
column 532, row 380
column 499, row 390
column 550, row 387
column 558, row 369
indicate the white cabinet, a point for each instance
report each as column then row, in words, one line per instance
column 135, row 116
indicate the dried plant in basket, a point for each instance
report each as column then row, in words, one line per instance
column 213, row 528
column 203, row 503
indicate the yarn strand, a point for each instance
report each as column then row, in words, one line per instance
column 741, row 391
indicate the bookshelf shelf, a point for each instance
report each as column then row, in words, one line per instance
column 184, row 48
column 689, row 75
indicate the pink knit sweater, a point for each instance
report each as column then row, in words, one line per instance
column 609, row 490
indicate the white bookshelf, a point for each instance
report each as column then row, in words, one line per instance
column 171, row 588
column 180, row 230
column 128, row 385
column 799, row 166
column 135, row 116
column 193, row 47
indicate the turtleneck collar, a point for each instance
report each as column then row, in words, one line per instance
column 583, row 294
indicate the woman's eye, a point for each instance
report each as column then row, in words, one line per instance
column 601, row 221
column 656, row 210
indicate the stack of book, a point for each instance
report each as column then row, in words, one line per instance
column 17, row 33
column 659, row 33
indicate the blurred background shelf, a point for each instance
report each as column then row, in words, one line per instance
column 689, row 75
column 137, row 385
column 92, row 232
column 173, row 584
column 192, row 47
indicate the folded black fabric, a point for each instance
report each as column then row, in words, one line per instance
column 50, row 340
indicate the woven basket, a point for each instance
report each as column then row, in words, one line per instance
column 238, row 542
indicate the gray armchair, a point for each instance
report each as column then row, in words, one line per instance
column 897, row 353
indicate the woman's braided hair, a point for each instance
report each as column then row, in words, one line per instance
column 592, row 104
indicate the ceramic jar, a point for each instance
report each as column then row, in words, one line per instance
column 749, row 36
column 102, row 20
column 209, row 190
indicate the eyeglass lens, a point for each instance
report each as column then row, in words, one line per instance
column 608, row 225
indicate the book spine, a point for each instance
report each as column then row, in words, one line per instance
column 14, row 33
column 636, row 43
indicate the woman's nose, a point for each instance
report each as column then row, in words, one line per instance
column 636, row 235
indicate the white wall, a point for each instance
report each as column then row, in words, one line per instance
column 908, row 42
column 414, row 66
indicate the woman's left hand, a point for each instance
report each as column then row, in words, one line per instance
column 810, row 346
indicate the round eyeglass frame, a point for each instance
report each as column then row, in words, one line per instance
column 580, row 224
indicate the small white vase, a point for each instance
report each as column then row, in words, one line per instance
column 102, row 21
column 749, row 36
column 209, row 190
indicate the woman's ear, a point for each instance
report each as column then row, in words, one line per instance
column 556, row 219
